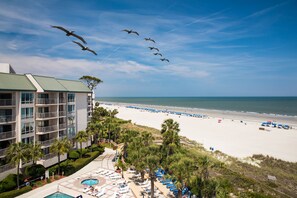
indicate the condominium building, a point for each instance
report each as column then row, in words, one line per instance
column 40, row 109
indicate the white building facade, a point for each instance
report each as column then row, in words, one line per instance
column 40, row 109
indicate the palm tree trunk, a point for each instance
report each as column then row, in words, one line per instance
column 80, row 149
column 58, row 163
column 18, row 175
column 152, row 186
column 142, row 175
column 179, row 193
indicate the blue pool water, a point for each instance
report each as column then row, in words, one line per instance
column 90, row 182
column 59, row 195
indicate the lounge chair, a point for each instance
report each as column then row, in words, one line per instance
column 101, row 193
column 124, row 190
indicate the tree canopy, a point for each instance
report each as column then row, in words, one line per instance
column 91, row 81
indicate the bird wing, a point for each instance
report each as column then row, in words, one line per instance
column 125, row 30
column 79, row 37
column 153, row 40
column 155, row 53
column 78, row 43
column 92, row 51
column 146, row 39
column 151, row 48
column 135, row 33
column 61, row 28
column 156, row 49
column 167, row 60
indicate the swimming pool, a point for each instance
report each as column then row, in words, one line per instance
column 58, row 195
column 90, row 182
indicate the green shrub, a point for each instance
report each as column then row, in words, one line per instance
column 15, row 193
column 73, row 155
column 48, row 180
column 84, row 151
column 35, row 171
column 9, row 183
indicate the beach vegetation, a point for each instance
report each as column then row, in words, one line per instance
column 208, row 174
column 60, row 147
column 81, row 137
column 18, row 153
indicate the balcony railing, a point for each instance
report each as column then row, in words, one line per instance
column 62, row 113
column 6, row 135
column 7, row 102
column 47, row 129
column 71, row 100
column 47, row 115
column 49, row 156
column 46, row 101
column 3, row 152
column 46, row 142
column 6, row 167
column 62, row 126
column 62, row 100
column 7, row 118
column 71, row 113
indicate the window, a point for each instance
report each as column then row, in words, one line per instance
column 27, row 98
column 27, row 127
column 28, row 140
column 27, row 113
column 71, row 97
column 71, row 108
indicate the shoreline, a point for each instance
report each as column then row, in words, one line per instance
column 223, row 114
column 237, row 135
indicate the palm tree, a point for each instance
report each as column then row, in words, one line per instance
column 35, row 152
column 171, row 139
column 181, row 169
column 170, row 125
column 152, row 162
column 16, row 154
column 81, row 137
column 126, row 138
column 60, row 147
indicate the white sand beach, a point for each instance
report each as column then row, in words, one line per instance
column 237, row 135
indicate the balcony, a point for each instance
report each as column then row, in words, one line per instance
column 7, row 135
column 71, row 113
column 6, row 167
column 47, row 129
column 46, row 142
column 49, row 156
column 46, row 101
column 7, row 118
column 62, row 100
column 62, row 113
column 3, row 152
column 52, row 114
column 62, row 126
column 7, row 102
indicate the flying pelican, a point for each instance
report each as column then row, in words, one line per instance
column 85, row 48
column 149, row 39
column 158, row 54
column 70, row 33
column 164, row 59
column 153, row 48
column 131, row 32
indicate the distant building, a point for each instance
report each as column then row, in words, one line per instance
column 39, row 109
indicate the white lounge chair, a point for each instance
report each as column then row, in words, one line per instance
column 124, row 190
column 101, row 193
column 85, row 190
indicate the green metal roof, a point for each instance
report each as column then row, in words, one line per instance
column 15, row 82
column 49, row 83
column 74, row 86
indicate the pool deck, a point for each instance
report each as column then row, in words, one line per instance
column 71, row 185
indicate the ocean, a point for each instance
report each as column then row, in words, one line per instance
column 264, row 105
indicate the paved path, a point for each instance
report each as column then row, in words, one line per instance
column 66, row 185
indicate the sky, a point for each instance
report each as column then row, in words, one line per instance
column 215, row 48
